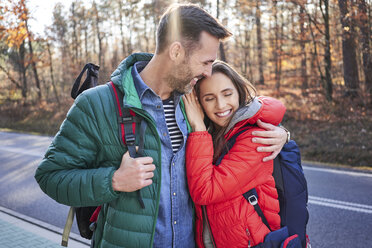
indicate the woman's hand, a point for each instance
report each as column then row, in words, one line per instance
column 194, row 112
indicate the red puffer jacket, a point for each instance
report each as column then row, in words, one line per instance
column 233, row 221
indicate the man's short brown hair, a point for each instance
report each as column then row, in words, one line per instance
column 185, row 22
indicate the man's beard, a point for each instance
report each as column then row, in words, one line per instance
column 180, row 79
column 180, row 85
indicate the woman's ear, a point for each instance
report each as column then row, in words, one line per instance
column 176, row 52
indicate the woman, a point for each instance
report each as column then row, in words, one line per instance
column 224, row 216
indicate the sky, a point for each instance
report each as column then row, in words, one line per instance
column 41, row 12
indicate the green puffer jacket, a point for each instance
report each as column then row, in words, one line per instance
column 78, row 167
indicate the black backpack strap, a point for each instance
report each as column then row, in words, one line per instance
column 90, row 81
column 252, row 197
column 141, row 144
column 126, row 134
column 130, row 139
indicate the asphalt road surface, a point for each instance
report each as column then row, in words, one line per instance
column 340, row 201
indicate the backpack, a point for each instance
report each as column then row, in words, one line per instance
column 86, row 217
column 291, row 186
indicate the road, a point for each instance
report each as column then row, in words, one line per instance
column 340, row 207
column 20, row 155
column 340, row 201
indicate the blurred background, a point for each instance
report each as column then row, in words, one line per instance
column 314, row 55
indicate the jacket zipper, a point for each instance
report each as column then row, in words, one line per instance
column 153, row 128
column 249, row 238
column 204, row 209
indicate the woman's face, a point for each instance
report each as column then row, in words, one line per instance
column 219, row 98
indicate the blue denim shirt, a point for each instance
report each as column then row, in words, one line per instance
column 174, row 226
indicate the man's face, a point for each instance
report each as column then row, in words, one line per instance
column 195, row 66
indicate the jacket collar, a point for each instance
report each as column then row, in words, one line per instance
column 267, row 109
column 122, row 78
column 245, row 113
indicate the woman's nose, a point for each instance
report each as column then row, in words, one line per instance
column 220, row 103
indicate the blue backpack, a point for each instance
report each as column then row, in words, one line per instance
column 292, row 190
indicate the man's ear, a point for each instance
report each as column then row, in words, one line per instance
column 176, row 52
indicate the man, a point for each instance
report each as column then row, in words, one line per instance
column 85, row 165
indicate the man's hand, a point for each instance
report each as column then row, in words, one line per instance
column 133, row 174
column 275, row 137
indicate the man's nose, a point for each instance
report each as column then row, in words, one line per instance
column 208, row 71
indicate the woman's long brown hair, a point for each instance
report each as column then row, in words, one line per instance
column 246, row 92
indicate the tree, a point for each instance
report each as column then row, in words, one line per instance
column 365, row 29
column 52, row 73
column 303, row 39
column 259, row 43
column 222, row 50
column 327, row 81
column 276, row 47
column 351, row 77
column 15, row 35
column 32, row 56
column 59, row 30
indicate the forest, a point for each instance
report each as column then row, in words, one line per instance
column 314, row 55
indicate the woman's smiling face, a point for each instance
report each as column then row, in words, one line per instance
column 219, row 98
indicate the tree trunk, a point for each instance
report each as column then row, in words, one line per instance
column 304, row 78
column 33, row 63
column 222, row 49
column 247, row 56
column 276, row 46
column 74, row 34
column 327, row 53
column 259, row 43
column 22, row 71
column 366, row 51
column 52, row 73
column 121, row 25
column 99, row 35
column 351, row 77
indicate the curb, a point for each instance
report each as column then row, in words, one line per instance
column 38, row 230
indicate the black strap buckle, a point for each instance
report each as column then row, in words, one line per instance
column 252, row 200
column 130, row 139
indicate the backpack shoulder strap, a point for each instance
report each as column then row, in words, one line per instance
column 126, row 118
column 90, row 81
column 251, row 196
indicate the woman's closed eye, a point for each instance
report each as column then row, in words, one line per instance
column 208, row 99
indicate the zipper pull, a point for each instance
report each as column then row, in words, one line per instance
column 248, row 234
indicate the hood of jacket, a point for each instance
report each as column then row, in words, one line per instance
column 122, row 78
column 266, row 109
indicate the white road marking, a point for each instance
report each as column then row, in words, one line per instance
column 344, row 172
column 361, row 208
